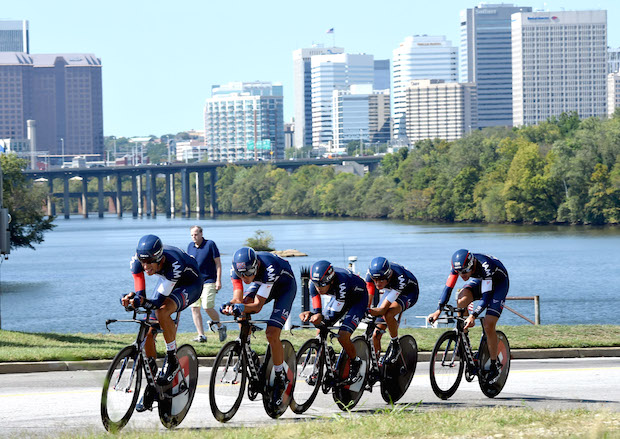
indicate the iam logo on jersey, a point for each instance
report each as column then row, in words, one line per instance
column 285, row 314
column 271, row 274
column 487, row 269
column 401, row 282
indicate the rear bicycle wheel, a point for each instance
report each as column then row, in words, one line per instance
column 121, row 389
column 290, row 368
column 178, row 399
column 227, row 383
column 309, row 376
column 503, row 356
column 397, row 376
column 347, row 396
column 446, row 365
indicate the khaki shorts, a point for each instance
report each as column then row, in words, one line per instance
column 207, row 298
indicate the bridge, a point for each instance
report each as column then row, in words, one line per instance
column 144, row 188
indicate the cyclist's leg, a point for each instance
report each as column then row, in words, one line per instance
column 281, row 311
column 377, row 334
column 492, row 315
column 470, row 292
column 390, row 318
column 163, row 314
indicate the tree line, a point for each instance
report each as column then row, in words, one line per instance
column 564, row 170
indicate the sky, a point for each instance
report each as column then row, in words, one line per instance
column 160, row 58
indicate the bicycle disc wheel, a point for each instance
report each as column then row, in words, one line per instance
column 178, row 399
column 121, row 389
column 397, row 376
column 227, row 383
column 446, row 365
column 503, row 355
column 309, row 376
column 290, row 367
column 347, row 397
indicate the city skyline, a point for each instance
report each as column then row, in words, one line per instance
column 160, row 61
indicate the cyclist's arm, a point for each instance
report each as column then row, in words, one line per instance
column 237, row 291
column 317, row 306
column 139, row 284
column 370, row 286
column 447, row 289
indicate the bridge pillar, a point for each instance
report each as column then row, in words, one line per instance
column 66, row 196
column 140, row 194
column 153, row 201
column 169, row 195
column 51, row 205
column 134, row 197
column 85, row 197
column 100, row 206
column 185, row 192
column 119, row 195
column 212, row 195
column 148, row 193
column 200, row 193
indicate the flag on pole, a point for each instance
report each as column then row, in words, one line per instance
column 330, row 31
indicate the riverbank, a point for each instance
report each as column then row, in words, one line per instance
column 571, row 340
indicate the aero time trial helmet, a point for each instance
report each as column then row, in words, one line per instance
column 245, row 262
column 150, row 249
column 322, row 273
column 462, row 261
column 380, row 268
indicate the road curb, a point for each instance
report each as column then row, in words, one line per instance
column 520, row 354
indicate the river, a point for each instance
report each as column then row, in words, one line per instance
column 73, row 280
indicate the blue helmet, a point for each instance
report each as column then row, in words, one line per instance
column 245, row 262
column 322, row 273
column 380, row 268
column 462, row 261
column 150, row 249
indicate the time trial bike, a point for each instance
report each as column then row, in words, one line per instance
column 453, row 355
column 121, row 387
column 237, row 363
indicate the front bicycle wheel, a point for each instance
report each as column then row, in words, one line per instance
column 121, row 389
column 446, row 365
column 227, row 383
column 178, row 398
column 503, row 355
column 347, row 396
column 397, row 376
column 309, row 376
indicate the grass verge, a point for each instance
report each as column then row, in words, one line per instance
column 26, row 346
column 411, row 422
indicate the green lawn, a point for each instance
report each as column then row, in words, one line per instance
column 25, row 346
column 412, row 422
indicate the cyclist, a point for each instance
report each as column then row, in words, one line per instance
column 400, row 292
column 487, row 281
column 179, row 284
column 349, row 302
column 269, row 278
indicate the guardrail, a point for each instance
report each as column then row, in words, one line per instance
column 536, row 300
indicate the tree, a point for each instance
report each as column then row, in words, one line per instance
column 261, row 241
column 24, row 202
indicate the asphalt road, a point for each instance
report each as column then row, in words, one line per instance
column 50, row 403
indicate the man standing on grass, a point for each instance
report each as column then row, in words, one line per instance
column 208, row 256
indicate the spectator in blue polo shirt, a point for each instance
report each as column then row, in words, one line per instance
column 208, row 256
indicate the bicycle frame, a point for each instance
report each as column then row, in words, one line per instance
column 463, row 341
column 140, row 343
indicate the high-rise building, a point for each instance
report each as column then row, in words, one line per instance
column 486, row 58
column 246, row 124
column 419, row 57
column 613, row 92
column 14, row 36
column 360, row 114
column 61, row 92
column 382, row 74
column 559, row 64
column 438, row 109
column 330, row 73
column 613, row 60
column 303, row 91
